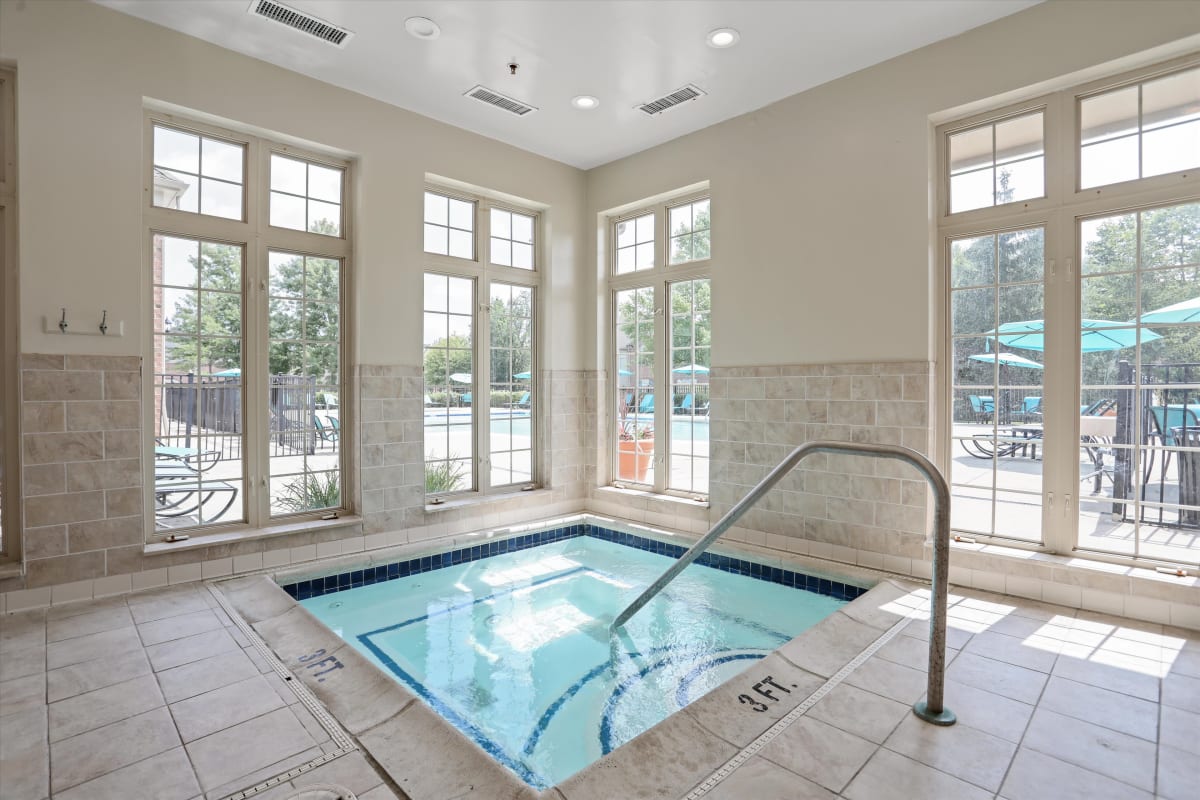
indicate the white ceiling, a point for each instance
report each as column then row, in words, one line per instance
column 623, row 52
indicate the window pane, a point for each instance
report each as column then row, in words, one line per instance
column 288, row 211
column 688, row 224
column 1108, row 116
column 197, row 361
column 462, row 215
column 304, row 434
column 461, row 244
column 522, row 228
column 997, row 163
column 972, row 190
column 288, row 175
column 634, row 384
column 176, row 190
column 1020, row 180
column 220, row 199
column 437, row 239
column 512, row 389
column 1109, row 244
column 691, row 334
column 325, row 183
column 176, row 150
column 449, row 383
column 971, row 150
column 222, row 160
column 1171, row 100
column 324, row 218
column 997, row 389
column 501, row 224
column 1113, row 161
column 1171, row 149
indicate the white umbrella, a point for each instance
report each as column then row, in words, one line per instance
column 1186, row 311
column 691, row 369
column 1007, row 359
column 461, row 377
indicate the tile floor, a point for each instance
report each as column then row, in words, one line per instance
column 153, row 695
column 157, row 695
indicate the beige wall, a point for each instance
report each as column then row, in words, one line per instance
column 822, row 201
column 84, row 73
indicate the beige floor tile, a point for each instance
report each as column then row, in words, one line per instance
column 233, row 752
column 100, row 751
column 1022, row 627
column 178, row 627
column 824, row 649
column 910, row 652
column 1008, row 680
column 1180, row 729
column 1178, row 774
column 192, row 648
column 24, row 755
column 22, row 631
column 99, row 621
column 85, row 712
column 22, row 694
column 891, row 776
column 198, row 677
column 166, row 776
column 820, row 752
column 1108, row 676
column 1030, row 652
column 988, row 712
column 66, row 610
column 1181, row 691
column 91, row 646
column 163, row 603
column 1121, row 712
column 1036, row 776
column 19, row 663
column 956, row 638
column 860, row 712
column 382, row 792
column 894, row 681
column 1185, row 661
column 76, row 679
column 763, row 780
column 223, row 708
column 958, row 750
column 1118, row 755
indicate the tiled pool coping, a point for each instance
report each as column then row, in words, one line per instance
column 366, row 576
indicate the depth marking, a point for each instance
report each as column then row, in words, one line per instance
column 752, row 749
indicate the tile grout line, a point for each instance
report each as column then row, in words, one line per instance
column 785, row 722
column 340, row 738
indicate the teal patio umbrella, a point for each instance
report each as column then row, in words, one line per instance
column 1186, row 311
column 1006, row 360
column 1096, row 335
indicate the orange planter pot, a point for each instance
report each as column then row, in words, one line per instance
column 633, row 459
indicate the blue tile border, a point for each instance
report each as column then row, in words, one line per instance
column 316, row 587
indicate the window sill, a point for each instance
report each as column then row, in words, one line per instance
column 473, row 500
column 617, row 493
column 250, row 534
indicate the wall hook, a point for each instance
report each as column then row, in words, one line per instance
column 62, row 323
column 104, row 322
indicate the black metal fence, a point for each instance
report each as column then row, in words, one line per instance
column 205, row 411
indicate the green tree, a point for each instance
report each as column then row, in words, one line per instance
column 511, row 326
column 213, row 313
column 691, row 321
column 445, row 357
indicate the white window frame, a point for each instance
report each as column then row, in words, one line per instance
column 1059, row 213
column 660, row 277
column 483, row 273
column 10, row 488
column 258, row 238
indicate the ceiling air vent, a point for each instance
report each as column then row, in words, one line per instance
column 301, row 21
column 677, row 97
column 485, row 95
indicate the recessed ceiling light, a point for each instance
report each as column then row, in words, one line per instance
column 723, row 37
column 585, row 102
column 422, row 27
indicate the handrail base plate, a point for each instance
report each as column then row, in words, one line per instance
column 945, row 718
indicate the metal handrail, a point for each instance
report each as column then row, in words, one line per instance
column 931, row 709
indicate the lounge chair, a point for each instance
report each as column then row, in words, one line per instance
column 466, row 399
column 523, row 402
column 982, row 406
column 329, row 430
column 180, row 490
column 194, row 457
column 647, row 405
column 685, row 405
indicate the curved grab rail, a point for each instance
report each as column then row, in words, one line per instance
column 930, row 710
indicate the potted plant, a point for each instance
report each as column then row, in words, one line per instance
column 635, row 450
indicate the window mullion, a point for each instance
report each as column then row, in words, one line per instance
column 662, row 383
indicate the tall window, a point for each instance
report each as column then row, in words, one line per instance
column 9, row 462
column 480, row 355
column 247, row 287
column 1073, row 321
column 661, row 334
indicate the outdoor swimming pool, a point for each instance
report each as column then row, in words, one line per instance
column 510, row 641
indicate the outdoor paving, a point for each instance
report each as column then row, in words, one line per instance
column 158, row 695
